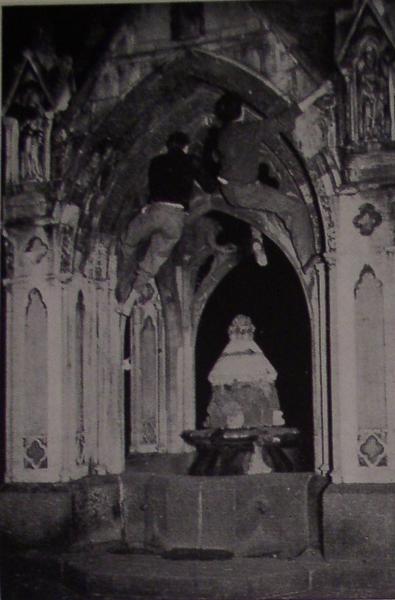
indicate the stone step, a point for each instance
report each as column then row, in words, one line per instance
column 112, row 576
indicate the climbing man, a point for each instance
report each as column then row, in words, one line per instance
column 176, row 185
column 238, row 152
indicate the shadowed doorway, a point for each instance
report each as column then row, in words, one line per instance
column 272, row 296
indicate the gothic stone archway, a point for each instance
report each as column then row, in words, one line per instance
column 271, row 295
column 182, row 96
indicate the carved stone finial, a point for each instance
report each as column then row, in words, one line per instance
column 241, row 328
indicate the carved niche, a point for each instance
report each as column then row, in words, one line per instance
column 366, row 61
column 147, row 372
column 42, row 86
column 35, row 411
column 370, row 355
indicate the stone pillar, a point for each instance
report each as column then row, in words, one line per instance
column 34, row 370
column 148, row 425
column 319, row 333
column 64, row 392
column 363, row 299
column 103, row 379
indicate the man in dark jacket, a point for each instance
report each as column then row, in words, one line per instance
column 242, row 184
column 173, row 180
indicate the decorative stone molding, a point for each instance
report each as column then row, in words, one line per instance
column 67, row 236
column 9, row 253
column 35, row 452
column 35, row 250
column 80, row 442
column 330, row 259
column 328, row 218
column 372, row 448
column 147, row 373
column 368, row 219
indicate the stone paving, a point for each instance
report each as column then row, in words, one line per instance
column 105, row 575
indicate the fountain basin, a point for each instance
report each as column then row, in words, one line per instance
column 272, row 514
column 231, row 451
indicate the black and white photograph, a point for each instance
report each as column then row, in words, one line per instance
column 198, row 300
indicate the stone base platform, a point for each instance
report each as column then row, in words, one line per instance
column 108, row 574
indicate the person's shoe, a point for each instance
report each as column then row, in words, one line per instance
column 260, row 254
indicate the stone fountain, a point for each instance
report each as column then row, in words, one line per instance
column 234, row 501
column 244, row 431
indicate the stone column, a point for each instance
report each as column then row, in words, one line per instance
column 363, row 338
column 319, row 323
column 34, row 368
column 64, row 394
column 103, row 381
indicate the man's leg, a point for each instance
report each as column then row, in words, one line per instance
column 161, row 245
column 291, row 211
column 139, row 228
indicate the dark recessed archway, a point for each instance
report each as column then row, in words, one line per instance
column 273, row 297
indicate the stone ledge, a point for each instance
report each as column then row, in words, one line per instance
column 112, row 576
column 84, row 511
column 374, row 166
column 359, row 521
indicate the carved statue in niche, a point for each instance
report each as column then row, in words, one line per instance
column 31, row 137
column 372, row 93
column 43, row 87
column 243, row 382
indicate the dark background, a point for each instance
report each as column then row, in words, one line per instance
column 273, row 298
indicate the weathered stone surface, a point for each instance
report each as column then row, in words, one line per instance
column 120, row 577
column 246, row 515
column 358, row 520
column 135, row 509
column 31, row 515
column 155, row 577
column 376, row 166
column 26, row 206
column 96, row 510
